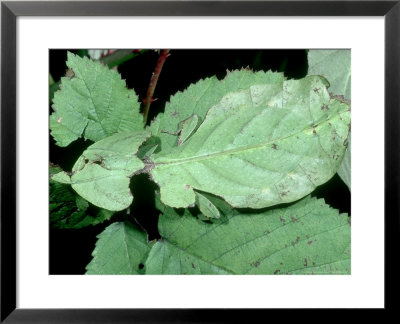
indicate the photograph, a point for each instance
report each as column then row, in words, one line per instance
column 200, row 161
column 197, row 161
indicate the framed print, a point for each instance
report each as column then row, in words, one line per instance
column 248, row 93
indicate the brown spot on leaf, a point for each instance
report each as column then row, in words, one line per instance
column 324, row 107
column 192, row 265
column 256, row 264
column 316, row 90
column 309, row 242
column 274, row 146
column 284, row 193
column 277, row 271
column 69, row 74
column 294, row 219
column 305, row 262
column 297, row 241
column 187, row 187
column 283, row 221
column 339, row 97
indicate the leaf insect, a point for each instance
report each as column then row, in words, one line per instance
column 187, row 127
column 206, row 207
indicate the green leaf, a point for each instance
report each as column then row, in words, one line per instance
column 115, row 153
column 94, row 103
column 70, row 211
column 81, row 203
column 61, row 177
column 120, row 56
column 198, row 98
column 120, row 249
column 345, row 168
column 102, row 174
column 188, row 127
column 335, row 66
column 103, row 188
column 206, row 207
column 307, row 237
column 266, row 145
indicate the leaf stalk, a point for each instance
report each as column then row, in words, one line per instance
column 153, row 82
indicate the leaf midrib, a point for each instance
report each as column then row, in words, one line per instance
column 239, row 149
column 167, row 241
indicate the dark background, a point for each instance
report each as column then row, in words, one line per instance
column 70, row 250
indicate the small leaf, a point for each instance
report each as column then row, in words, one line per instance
column 102, row 174
column 120, row 249
column 61, row 177
column 81, row 203
column 93, row 103
column 147, row 149
column 266, row 145
column 206, row 207
column 345, row 168
column 307, row 237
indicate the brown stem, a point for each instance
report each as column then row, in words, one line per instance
column 153, row 82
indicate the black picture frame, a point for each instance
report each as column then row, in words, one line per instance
column 9, row 13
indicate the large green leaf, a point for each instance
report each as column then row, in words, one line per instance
column 102, row 174
column 94, row 103
column 258, row 147
column 120, row 249
column 70, row 211
column 307, row 237
column 198, row 98
column 334, row 65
